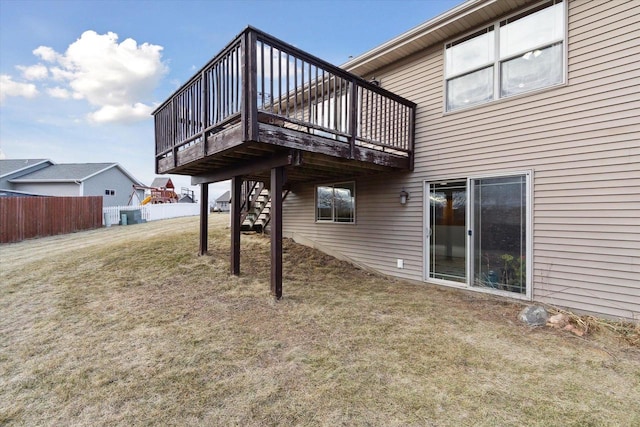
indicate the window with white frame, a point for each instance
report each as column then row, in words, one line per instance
column 336, row 202
column 521, row 53
column 109, row 192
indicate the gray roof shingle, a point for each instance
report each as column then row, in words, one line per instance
column 226, row 197
column 9, row 166
column 66, row 172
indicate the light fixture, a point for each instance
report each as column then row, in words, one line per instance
column 374, row 81
column 404, row 196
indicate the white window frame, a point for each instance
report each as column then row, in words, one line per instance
column 528, row 174
column 333, row 185
column 108, row 192
column 497, row 61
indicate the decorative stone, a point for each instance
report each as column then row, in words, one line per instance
column 534, row 315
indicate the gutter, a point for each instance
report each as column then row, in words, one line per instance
column 37, row 181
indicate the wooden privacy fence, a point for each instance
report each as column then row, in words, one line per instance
column 27, row 217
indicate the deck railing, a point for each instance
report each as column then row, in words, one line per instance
column 260, row 79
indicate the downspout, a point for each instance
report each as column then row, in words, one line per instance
column 81, row 188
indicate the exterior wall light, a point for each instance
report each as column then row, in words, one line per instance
column 404, row 196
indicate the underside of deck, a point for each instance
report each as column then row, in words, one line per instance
column 307, row 157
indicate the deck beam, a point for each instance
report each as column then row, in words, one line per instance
column 286, row 158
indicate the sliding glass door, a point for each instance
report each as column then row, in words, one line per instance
column 447, row 241
column 499, row 233
column 477, row 232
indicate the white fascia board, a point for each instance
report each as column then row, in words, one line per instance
column 421, row 30
column 27, row 167
column 98, row 172
column 114, row 165
column 43, row 181
column 131, row 177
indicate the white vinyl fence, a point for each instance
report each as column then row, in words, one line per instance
column 111, row 214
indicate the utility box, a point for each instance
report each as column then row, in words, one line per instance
column 134, row 216
column 129, row 217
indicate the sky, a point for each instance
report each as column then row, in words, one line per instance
column 79, row 79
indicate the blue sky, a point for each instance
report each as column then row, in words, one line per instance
column 79, row 78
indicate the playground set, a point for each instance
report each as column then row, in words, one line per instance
column 161, row 190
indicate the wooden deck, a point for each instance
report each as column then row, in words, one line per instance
column 262, row 103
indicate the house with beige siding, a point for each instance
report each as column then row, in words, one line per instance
column 494, row 148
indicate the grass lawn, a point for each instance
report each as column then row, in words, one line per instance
column 127, row 326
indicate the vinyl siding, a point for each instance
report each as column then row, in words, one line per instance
column 111, row 179
column 580, row 139
column 49, row 189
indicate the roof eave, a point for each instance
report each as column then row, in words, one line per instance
column 374, row 58
column 27, row 167
column 114, row 165
column 45, row 181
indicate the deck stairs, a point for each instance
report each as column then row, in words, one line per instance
column 257, row 217
column 258, row 214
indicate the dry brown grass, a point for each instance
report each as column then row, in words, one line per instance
column 127, row 326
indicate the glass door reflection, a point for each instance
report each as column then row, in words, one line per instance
column 447, row 236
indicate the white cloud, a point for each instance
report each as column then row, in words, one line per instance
column 46, row 53
column 118, row 79
column 8, row 87
column 121, row 113
column 34, row 72
column 59, row 92
column 59, row 74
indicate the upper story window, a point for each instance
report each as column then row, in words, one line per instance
column 336, row 202
column 519, row 54
column 109, row 192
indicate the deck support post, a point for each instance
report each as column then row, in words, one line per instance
column 277, row 184
column 236, row 185
column 204, row 219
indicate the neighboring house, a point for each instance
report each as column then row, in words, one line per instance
column 43, row 177
column 523, row 149
column 186, row 198
column 222, row 202
column 15, row 168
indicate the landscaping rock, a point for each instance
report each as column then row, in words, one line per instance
column 534, row 315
